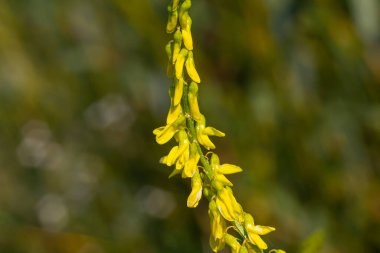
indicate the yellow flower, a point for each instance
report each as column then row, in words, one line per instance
column 203, row 132
column 165, row 133
column 178, row 91
column 219, row 170
column 254, row 231
column 191, row 165
column 193, row 102
column 190, row 67
column 180, row 62
column 196, row 191
column 218, row 227
column 227, row 205
column 232, row 242
column 177, row 45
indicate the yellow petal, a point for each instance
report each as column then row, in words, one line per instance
column 213, row 131
column 169, row 160
column 196, row 191
column 177, row 45
column 228, row 206
column 190, row 68
column 166, row 134
column 173, row 113
column 222, row 179
column 228, row 169
column 158, row 130
column 214, row 161
column 205, row 141
column 256, row 239
column 262, row 230
column 180, row 62
column 178, row 91
column 193, row 102
column 187, row 39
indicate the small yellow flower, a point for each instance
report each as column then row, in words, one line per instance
column 177, row 45
column 180, row 62
column 219, row 170
column 191, row 165
column 218, row 225
column 193, row 102
column 190, row 66
column 227, row 205
column 196, row 191
column 203, row 132
column 178, row 84
column 165, row 133
column 254, row 231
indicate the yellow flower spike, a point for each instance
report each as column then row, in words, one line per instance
column 180, row 62
column 228, row 169
column 232, row 242
column 172, row 20
column 191, row 165
column 196, row 191
column 169, row 160
column 193, row 102
column 227, row 205
column 178, row 90
column 177, row 45
column 190, row 68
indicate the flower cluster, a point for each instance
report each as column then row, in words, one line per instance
column 230, row 224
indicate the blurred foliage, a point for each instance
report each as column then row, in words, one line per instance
column 294, row 84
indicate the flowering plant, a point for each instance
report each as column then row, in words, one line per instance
column 187, row 125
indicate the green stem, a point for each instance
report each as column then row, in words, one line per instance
column 193, row 135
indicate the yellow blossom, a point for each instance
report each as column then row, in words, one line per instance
column 190, row 67
column 196, row 191
column 191, row 165
column 218, row 227
column 228, row 206
column 193, row 102
column 165, row 133
column 203, row 132
column 254, row 231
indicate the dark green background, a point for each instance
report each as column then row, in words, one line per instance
column 295, row 85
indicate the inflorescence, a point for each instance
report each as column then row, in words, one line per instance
column 230, row 224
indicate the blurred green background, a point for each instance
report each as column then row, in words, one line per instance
column 294, row 84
